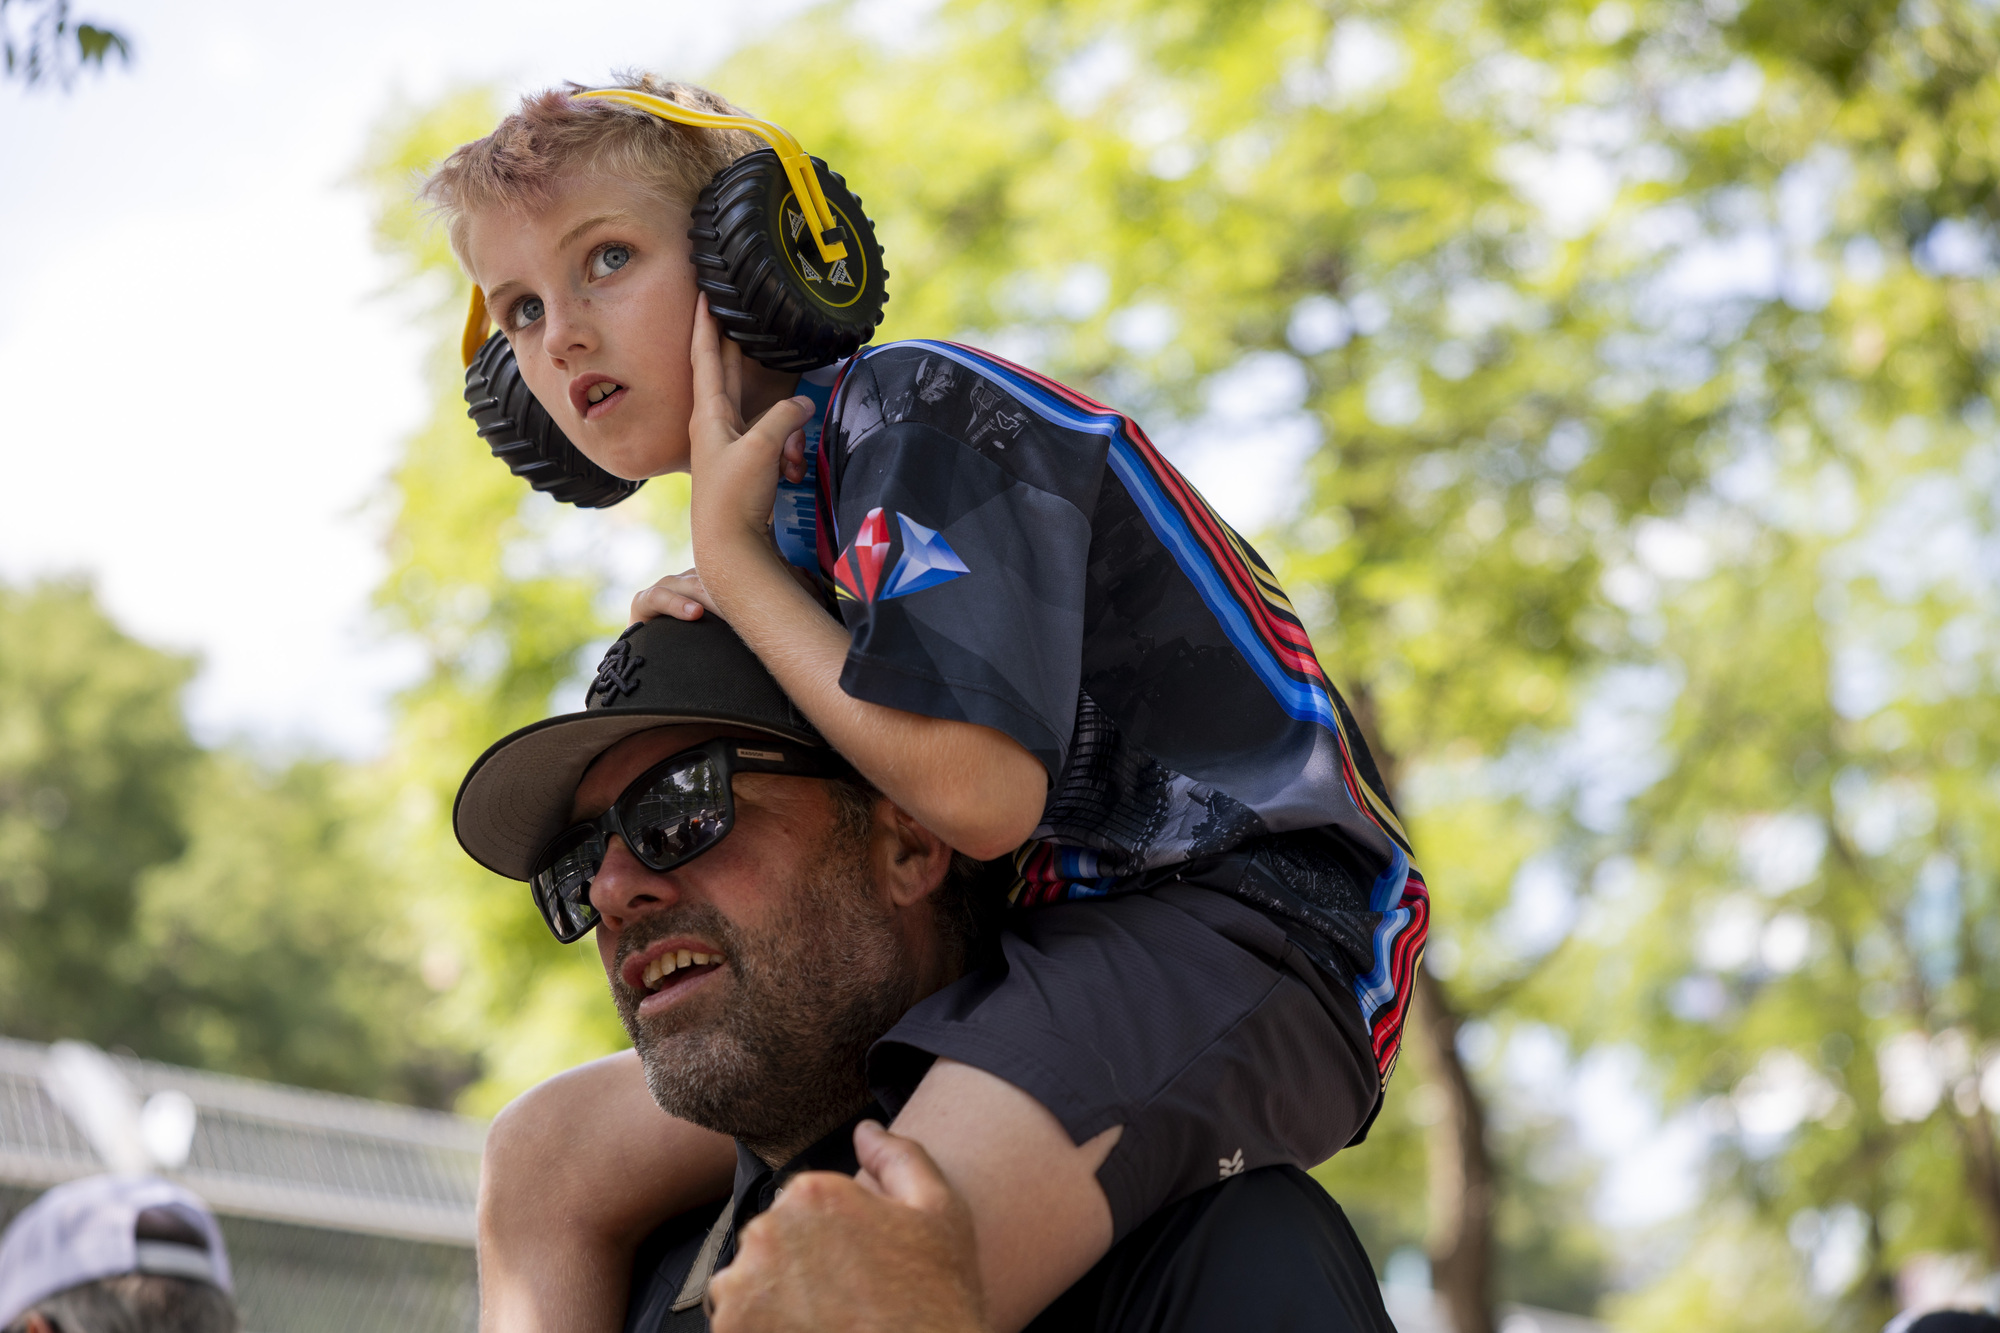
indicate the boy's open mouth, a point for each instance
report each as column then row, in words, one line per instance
column 594, row 395
column 600, row 394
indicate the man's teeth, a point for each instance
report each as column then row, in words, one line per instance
column 668, row 963
column 598, row 392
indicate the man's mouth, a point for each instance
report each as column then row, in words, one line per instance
column 677, row 966
column 600, row 391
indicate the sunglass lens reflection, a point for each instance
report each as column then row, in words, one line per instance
column 683, row 811
column 562, row 886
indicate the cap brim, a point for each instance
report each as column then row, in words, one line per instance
column 518, row 794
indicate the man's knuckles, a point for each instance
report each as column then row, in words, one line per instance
column 823, row 1191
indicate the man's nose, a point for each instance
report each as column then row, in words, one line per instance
column 624, row 889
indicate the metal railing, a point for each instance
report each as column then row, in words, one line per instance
column 339, row 1213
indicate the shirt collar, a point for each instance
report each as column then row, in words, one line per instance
column 757, row 1183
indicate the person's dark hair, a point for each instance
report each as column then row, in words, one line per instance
column 137, row 1303
column 968, row 903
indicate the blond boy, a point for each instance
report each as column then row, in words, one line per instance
column 1026, row 631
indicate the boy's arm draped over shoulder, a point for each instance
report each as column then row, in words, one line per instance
column 972, row 783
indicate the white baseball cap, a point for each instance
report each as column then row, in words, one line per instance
column 87, row 1230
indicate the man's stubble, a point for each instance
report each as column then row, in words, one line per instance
column 785, row 1060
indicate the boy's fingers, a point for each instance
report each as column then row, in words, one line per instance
column 656, row 602
column 704, row 353
column 782, row 420
column 732, row 371
column 794, row 462
column 678, row 595
column 903, row 1169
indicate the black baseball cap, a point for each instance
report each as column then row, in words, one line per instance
column 658, row 673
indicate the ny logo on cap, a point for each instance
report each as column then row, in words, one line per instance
column 618, row 673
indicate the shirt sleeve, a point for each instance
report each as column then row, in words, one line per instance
column 963, row 535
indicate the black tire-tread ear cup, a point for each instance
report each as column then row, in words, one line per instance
column 767, row 284
column 522, row 435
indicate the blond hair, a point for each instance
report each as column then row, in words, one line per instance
column 522, row 163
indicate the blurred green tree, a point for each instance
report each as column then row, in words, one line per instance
column 94, row 758
column 280, row 943
column 193, row 906
column 1648, row 348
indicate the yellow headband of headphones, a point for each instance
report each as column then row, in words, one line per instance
column 798, row 167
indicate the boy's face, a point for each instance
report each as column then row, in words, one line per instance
column 597, row 294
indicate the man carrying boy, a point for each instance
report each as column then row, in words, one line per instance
column 817, row 919
column 1046, row 646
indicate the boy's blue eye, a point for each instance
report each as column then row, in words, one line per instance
column 527, row 311
column 609, row 260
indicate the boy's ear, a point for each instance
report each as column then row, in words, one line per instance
column 909, row 859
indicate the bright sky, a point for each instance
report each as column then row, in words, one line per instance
column 203, row 391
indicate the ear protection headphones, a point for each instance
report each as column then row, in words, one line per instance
column 792, row 271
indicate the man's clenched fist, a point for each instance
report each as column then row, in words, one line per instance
column 890, row 1250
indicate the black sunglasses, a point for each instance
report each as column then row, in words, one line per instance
column 670, row 814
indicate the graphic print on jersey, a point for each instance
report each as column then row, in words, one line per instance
column 926, row 560
column 1198, row 707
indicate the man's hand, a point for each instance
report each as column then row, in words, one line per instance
column 893, row 1250
column 735, row 467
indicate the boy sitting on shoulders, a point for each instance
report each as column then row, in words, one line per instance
column 1040, row 642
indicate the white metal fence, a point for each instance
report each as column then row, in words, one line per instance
column 340, row 1213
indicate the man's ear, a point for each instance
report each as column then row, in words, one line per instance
column 910, row 860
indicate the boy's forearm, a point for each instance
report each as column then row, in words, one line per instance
column 979, row 790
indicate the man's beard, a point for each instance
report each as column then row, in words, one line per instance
column 785, row 1059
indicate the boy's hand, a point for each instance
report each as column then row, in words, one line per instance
column 735, row 467
column 895, row 1252
column 683, row 597
column 678, row 595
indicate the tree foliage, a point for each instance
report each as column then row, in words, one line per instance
column 40, row 39
column 1649, row 346
column 192, row 906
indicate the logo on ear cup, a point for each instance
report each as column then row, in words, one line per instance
column 747, row 260
column 824, row 285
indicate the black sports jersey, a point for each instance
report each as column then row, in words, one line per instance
column 1007, row 552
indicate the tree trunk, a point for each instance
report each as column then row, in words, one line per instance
column 1982, row 1173
column 1461, row 1168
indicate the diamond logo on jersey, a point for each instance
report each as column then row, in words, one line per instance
column 927, row 560
column 859, row 568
